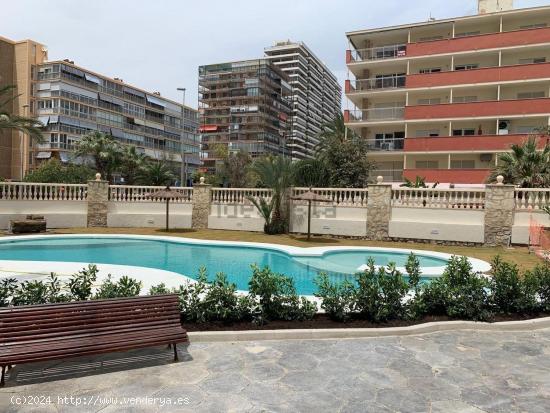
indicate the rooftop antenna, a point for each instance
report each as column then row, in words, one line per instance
column 431, row 18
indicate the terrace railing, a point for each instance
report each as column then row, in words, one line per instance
column 134, row 193
column 23, row 191
column 528, row 199
column 438, row 198
column 238, row 195
column 352, row 197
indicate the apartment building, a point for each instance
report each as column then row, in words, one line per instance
column 72, row 101
column 244, row 106
column 441, row 99
column 316, row 94
column 16, row 61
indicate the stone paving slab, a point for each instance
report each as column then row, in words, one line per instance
column 447, row 372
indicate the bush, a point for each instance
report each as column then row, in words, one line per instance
column 381, row 293
column 539, row 279
column 38, row 292
column 125, row 287
column 221, row 302
column 80, row 284
column 459, row 293
column 53, row 171
column 7, row 288
column 159, row 289
column 276, row 298
column 337, row 298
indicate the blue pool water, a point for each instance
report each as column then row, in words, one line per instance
column 186, row 258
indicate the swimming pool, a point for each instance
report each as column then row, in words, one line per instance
column 185, row 256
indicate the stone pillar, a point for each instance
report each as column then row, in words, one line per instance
column 499, row 213
column 97, row 198
column 202, row 196
column 379, row 210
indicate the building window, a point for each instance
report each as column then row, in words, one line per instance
column 466, row 34
column 530, row 60
column 429, row 101
column 464, row 99
column 430, row 70
column 427, row 164
column 428, row 132
column 464, row 132
column 533, row 26
column 531, row 95
column 463, row 164
column 468, row 66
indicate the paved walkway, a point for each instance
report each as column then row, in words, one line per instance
column 443, row 372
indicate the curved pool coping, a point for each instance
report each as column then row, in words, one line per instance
column 478, row 265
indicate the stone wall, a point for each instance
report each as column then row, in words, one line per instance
column 201, row 206
column 499, row 214
column 98, row 198
column 379, row 211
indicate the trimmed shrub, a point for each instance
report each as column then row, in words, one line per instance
column 80, row 284
column 337, row 298
column 124, row 287
column 7, row 288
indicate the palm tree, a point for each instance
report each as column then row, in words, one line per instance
column 525, row 166
column 333, row 132
column 155, row 173
column 105, row 151
column 131, row 164
column 29, row 126
column 275, row 172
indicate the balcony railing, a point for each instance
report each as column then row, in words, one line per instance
column 378, row 83
column 376, row 114
column 378, row 53
column 386, row 144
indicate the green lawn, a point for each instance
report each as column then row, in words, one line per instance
column 518, row 255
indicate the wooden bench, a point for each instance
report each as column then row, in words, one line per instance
column 56, row 331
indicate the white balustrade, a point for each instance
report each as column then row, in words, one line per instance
column 135, row 193
column 239, row 195
column 29, row 191
column 351, row 197
column 438, row 198
column 532, row 198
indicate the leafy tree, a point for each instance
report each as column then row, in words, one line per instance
column 235, row 170
column 525, row 166
column 275, row 172
column 53, row 171
column 8, row 122
column 131, row 163
column 105, row 151
column 310, row 173
column 155, row 173
column 344, row 155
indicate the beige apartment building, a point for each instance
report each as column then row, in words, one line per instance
column 72, row 101
column 441, row 99
column 16, row 62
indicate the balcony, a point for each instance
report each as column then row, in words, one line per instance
column 385, row 145
column 374, row 115
column 480, row 42
column 375, row 84
column 495, row 109
column 463, row 176
column 467, row 143
column 376, row 53
column 483, row 75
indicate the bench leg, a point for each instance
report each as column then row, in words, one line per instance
column 175, row 353
column 2, row 382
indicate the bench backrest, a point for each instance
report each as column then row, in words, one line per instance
column 48, row 321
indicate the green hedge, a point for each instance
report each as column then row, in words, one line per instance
column 378, row 294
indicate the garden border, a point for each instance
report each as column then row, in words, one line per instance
column 342, row 333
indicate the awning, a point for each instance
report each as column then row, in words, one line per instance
column 138, row 121
column 133, row 92
column 208, row 128
column 110, row 99
column 117, row 133
column 91, row 78
column 155, row 100
column 43, row 155
column 44, row 120
column 69, row 121
column 64, row 156
column 54, row 118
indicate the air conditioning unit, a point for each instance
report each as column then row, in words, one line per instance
column 486, row 157
column 503, row 127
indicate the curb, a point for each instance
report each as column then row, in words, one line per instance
column 338, row 333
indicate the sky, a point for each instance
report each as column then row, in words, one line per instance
column 158, row 45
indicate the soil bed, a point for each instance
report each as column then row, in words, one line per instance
column 323, row 321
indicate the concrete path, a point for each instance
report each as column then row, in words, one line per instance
column 465, row 372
